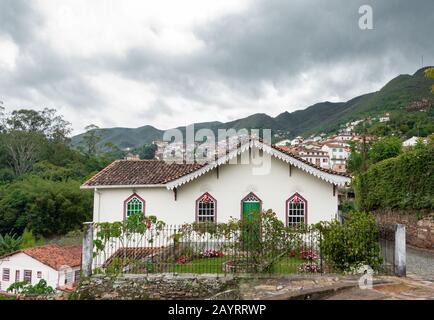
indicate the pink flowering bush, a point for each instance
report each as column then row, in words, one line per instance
column 211, row 254
column 309, row 267
column 182, row 260
column 308, row 255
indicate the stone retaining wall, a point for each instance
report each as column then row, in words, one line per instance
column 419, row 229
column 154, row 287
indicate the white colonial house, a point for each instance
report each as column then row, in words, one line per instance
column 59, row 266
column 413, row 141
column 315, row 156
column 252, row 176
column 338, row 153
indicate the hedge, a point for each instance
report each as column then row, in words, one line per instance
column 404, row 182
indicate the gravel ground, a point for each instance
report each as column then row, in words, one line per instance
column 420, row 262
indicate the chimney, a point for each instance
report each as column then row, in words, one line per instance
column 132, row 157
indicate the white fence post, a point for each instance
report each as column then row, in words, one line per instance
column 87, row 253
column 400, row 251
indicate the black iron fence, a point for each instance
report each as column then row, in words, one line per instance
column 208, row 248
column 387, row 247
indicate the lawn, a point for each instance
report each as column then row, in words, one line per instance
column 3, row 297
column 201, row 265
column 287, row 265
column 214, row 265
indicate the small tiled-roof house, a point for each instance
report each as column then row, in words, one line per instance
column 58, row 265
column 297, row 190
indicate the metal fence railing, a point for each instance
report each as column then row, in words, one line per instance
column 202, row 249
column 387, row 247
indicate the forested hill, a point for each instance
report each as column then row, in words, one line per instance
column 324, row 116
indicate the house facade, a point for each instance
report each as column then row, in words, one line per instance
column 229, row 187
column 58, row 266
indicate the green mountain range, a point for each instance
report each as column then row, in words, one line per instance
column 320, row 117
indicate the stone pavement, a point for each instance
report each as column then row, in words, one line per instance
column 392, row 288
column 294, row 287
column 338, row 288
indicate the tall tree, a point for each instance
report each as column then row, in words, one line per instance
column 23, row 149
column 91, row 139
column 46, row 121
column 430, row 73
column 385, row 148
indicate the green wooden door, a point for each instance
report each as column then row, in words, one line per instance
column 251, row 213
column 250, row 209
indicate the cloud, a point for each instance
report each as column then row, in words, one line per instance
column 173, row 63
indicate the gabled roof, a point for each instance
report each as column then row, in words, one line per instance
column 53, row 255
column 158, row 173
column 140, row 172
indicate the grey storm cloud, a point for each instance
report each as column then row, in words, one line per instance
column 271, row 42
column 39, row 68
column 277, row 40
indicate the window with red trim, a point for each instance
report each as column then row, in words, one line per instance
column 206, row 208
column 134, row 205
column 296, row 208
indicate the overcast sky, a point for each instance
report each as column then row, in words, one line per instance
column 171, row 63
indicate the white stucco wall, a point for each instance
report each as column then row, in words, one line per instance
column 233, row 184
column 21, row 261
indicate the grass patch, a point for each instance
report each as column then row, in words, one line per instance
column 287, row 265
column 201, row 265
column 3, row 297
column 215, row 265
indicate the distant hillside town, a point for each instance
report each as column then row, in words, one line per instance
column 328, row 151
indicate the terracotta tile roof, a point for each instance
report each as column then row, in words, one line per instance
column 136, row 253
column 140, row 172
column 53, row 255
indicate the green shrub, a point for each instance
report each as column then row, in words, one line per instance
column 26, row 288
column 403, row 182
column 9, row 243
column 46, row 207
column 352, row 243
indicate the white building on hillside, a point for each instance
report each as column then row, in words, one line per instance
column 59, row 266
column 283, row 143
column 338, row 153
column 412, row 141
column 317, row 157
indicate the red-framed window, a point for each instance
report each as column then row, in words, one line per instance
column 206, row 208
column 296, row 210
column 6, row 274
column 134, row 204
column 27, row 276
